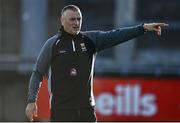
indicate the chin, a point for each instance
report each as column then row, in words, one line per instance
column 75, row 32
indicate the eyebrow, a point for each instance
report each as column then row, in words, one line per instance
column 78, row 18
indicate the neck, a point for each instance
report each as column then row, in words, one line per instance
column 64, row 32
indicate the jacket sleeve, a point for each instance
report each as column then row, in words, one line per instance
column 106, row 39
column 41, row 68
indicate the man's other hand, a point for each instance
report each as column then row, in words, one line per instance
column 31, row 110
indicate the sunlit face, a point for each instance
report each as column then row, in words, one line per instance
column 72, row 21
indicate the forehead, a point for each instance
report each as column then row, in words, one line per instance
column 70, row 13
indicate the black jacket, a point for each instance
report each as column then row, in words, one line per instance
column 69, row 62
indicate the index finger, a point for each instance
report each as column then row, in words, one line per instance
column 162, row 24
column 29, row 114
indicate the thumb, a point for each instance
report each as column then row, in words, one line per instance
column 35, row 111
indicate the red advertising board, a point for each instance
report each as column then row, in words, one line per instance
column 129, row 99
column 137, row 99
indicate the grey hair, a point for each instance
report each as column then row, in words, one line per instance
column 70, row 7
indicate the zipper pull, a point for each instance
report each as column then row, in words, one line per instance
column 73, row 46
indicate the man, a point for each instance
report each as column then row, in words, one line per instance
column 68, row 59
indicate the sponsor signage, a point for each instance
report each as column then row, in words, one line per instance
column 137, row 99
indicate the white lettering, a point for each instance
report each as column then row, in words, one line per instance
column 147, row 102
column 119, row 100
column 126, row 101
column 105, row 103
column 137, row 91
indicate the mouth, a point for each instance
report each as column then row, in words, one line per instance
column 76, row 28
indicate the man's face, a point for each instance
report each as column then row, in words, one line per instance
column 71, row 21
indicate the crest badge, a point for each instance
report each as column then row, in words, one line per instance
column 73, row 72
column 83, row 47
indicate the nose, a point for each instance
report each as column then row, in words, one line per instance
column 77, row 22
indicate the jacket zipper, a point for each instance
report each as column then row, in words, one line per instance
column 74, row 49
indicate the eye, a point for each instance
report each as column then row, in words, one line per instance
column 73, row 19
column 78, row 19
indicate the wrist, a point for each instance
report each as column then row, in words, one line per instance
column 31, row 101
column 145, row 27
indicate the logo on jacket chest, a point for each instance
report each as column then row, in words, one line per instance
column 83, row 47
column 73, row 72
column 62, row 51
